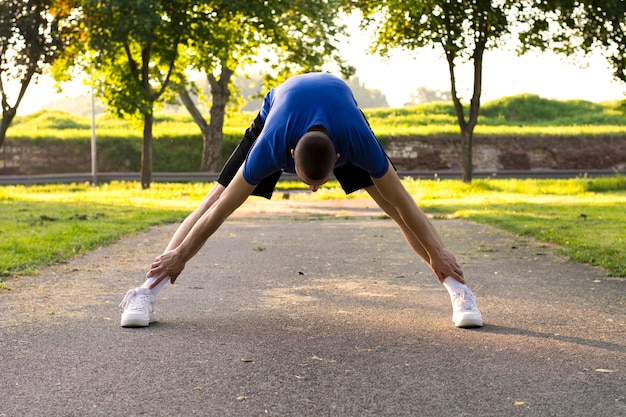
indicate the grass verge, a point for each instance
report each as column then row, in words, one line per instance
column 40, row 225
column 585, row 218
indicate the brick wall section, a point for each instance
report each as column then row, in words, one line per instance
column 441, row 153
column 510, row 153
column 49, row 157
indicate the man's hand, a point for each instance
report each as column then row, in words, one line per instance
column 169, row 264
column 445, row 265
column 398, row 203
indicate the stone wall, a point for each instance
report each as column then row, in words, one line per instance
column 408, row 154
column 25, row 157
column 510, row 153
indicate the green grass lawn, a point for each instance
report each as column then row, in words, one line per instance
column 41, row 225
column 584, row 217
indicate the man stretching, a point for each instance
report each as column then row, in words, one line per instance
column 310, row 126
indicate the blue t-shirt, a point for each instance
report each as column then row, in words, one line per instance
column 304, row 101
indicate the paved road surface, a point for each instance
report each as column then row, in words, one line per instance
column 310, row 317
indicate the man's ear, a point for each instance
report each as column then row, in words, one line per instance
column 293, row 153
column 337, row 157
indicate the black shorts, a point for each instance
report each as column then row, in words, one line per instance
column 350, row 177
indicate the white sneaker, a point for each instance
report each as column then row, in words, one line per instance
column 138, row 307
column 465, row 312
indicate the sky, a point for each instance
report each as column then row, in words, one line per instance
column 504, row 74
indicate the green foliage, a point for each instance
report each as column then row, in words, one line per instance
column 456, row 26
column 412, row 118
column 138, row 52
column 463, row 30
column 574, row 26
column 33, row 34
column 133, row 47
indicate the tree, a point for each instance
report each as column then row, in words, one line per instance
column 33, row 33
column 428, row 95
column 572, row 26
column 217, row 48
column 132, row 49
column 462, row 29
column 365, row 97
column 295, row 36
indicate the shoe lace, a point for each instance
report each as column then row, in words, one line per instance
column 134, row 300
column 464, row 300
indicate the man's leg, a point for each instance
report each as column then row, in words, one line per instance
column 413, row 242
column 352, row 178
column 139, row 302
column 264, row 189
column 236, row 159
column 465, row 312
column 231, row 167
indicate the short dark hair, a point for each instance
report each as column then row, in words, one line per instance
column 315, row 155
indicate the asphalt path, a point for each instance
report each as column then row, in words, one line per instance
column 317, row 309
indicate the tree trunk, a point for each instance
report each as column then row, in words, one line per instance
column 467, row 165
column 198, row 118
column 146, row 151
column 468, row 134
column 467, row 126
column 212, row 150
column 7, row 118
column 212, row 132
column 8, row 112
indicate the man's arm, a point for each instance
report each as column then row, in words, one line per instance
column 192, row 218
column 172, row 262
column 442, row 262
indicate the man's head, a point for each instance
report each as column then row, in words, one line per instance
column 314, row 158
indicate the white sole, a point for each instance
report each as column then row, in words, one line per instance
column 469, row 320
column 136, row 320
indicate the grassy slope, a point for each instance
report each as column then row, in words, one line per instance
column 525, row 114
